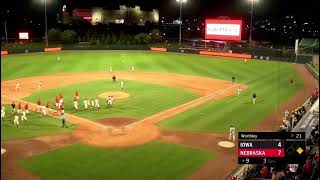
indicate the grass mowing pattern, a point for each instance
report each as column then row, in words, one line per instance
column 264, row 77
column 36, row 125
column 236, row 110
column 145, row 99
column 155, row 160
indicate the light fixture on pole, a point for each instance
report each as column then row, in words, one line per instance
column 180, row 23
column 251, row 19
column 5, row 26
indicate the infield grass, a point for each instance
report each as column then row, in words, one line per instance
column 36, row 125
column 145, row 99
column 155, row 160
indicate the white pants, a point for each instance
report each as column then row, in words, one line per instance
column 75, row 106
column 232, row 137
column 97, row 105
column 254, row 100
column 85, row 105
column 16, row 120
column 23, row 117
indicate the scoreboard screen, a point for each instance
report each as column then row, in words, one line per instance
column 271, row 147
column 223, row 29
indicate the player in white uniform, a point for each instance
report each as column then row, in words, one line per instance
column 85, row 103
column 44, row 110
column 92, row 103
column 39, row 85
column 239, row 90
column 23, row 116
column 60, row 102
column 232, row 133
column 122, row 84
column 132, row 68
column 110, row 69
column 59, row 58
column 17, row 88
column 96, row 103
column 75, row 104
column 3, row 112
column 16, row 120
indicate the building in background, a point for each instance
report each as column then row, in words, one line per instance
column 123, row 15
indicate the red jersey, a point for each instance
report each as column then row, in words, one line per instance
column 77, row 94
column 48, row 105
column 57, row 99
column 26, row 106
column 19, row 106
column 264, row 172
column 39, row 102
column 62, row 107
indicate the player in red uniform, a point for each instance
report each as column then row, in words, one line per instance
column 19, row 108
column 62, row 108
column 26, row 108
column 77, row 95
column 39, row 104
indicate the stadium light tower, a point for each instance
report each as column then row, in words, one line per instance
column 180, row 3
column 251, row 19
column 45, row 21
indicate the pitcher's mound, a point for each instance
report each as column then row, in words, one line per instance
column 226, row 144
column 116, row 95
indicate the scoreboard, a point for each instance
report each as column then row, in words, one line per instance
column 271, row 147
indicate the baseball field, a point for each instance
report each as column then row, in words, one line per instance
column 165, row 123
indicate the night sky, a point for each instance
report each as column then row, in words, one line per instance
column 21, row 9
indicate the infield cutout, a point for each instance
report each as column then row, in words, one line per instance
column 226, row 144
column 116, row 95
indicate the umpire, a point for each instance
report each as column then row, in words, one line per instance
column 63, row 120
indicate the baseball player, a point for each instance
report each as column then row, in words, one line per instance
column 24, row 116
column 48, row 109
column 92, row 103
column 254, row 97
column 232, row 133
column 85, row 103
column 110, row 69
column 63, row 120
column 13, row 105
column 114, row 79
column 39, row 105
column 44, row 110
column 16, row 120
column 19, row 111
column 238, row 91
column 245, row 60
column 77, row 95
column 57, row 101
column 132, row 68
column 122, row 84
column 3, row 112
column 17, row 88
column 39, row 85
column 26, row 108
column 96, row 103
column 59, row 58
column 291, row 82
column 233, row 79
column 75, row 104
column 61, row 108
column 60, row 100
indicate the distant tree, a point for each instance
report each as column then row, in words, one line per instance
column 68, row 36
column 54, row 35
column 142, row 38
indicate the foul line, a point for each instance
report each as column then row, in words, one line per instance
column 186, row 105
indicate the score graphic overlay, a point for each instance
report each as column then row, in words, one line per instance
column 221, row 29
column 271, row 147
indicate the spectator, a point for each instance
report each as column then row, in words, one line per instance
column 264, row 172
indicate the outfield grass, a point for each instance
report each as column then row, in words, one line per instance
column 36, row 125
column 145, row 99
column 270, row 80
column 155, row 160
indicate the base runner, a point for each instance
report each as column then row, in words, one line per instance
column 232, row 133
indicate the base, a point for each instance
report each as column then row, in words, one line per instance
column 226, row 144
